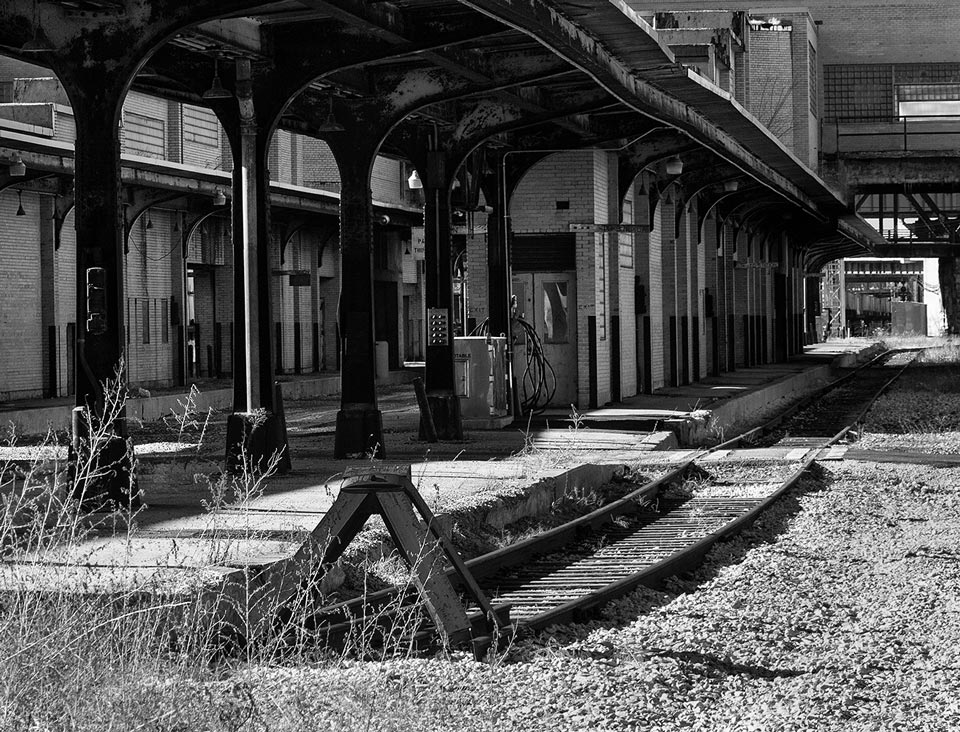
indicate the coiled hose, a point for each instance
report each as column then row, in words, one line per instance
column 538, row 383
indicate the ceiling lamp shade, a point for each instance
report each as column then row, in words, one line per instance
column 35, row 45
column 330, row 124
column 674, row 165
column 17, row 168
column 219, row 198
column 730, row 186
column 414, row 181
column 216, row 90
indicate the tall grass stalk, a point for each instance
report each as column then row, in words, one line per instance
column 154, row 644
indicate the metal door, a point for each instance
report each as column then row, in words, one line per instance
column 547, row 301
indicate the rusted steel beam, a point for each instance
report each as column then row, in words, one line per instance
column 542, row 20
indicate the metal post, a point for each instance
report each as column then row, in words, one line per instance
column 444, row 404
column 247, row 201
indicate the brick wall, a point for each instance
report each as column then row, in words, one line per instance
column 772, row 83
column 656, row 276
column 478, row 276
column 21, row 331
column 328, row 296
column 711, row 282
column 626, row 259
column 65, row 269
column 150, row 340
column 891, row 31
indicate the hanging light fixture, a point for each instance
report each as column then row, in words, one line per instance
column 35, row 45
column 217, row 90
column 149, row 224
column 730, row 186
column 20, row 211
column 674, row 165
column 414, row 181
column 219, row 198
column 330, row 124
column 18, row 168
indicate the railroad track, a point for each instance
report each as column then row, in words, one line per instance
column 663, row 528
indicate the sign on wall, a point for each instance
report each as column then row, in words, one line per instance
column 773, row 23
column 417, row 243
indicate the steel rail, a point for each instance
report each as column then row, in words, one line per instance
column 338, row 618
column 691, row 556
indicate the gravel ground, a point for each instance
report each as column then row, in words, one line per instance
column 838, row 610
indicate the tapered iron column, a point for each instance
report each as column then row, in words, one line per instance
column 256, row 431
column 498, row 305
column 359, row 421
column 99, row 278
column 444, row 404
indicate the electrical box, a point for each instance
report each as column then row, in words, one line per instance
column 480, row 380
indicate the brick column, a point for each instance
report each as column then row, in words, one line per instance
column 669, row 293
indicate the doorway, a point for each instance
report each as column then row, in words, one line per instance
column 547, row 302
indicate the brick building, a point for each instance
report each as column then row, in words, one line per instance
column 178, row 307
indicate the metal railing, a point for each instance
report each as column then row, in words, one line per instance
column 901, row 134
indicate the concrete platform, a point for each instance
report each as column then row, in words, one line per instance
column 715, row 407
column 36, row 416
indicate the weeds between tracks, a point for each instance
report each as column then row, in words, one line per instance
column 126, row 648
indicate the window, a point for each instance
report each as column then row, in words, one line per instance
column 555, row 312
column 145, row 323
column 857, row 92
column 165, row 320
column 144, row 135
column 922, row 101
column 814, row 91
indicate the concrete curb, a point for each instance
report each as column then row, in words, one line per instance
column 37, row 420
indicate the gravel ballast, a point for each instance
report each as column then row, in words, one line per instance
column 838, row 610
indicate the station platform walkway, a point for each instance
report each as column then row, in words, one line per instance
column 491, row 478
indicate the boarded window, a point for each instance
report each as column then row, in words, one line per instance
column 144, row 136
column 200, row 126
column 555, row 252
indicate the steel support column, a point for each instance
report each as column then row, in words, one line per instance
column 439, row 381
column 99, row 277
column 359, row 421
column 256, row 431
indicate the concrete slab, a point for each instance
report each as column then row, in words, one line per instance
column 902, row 456
column 704, row 412
column 837, row 452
